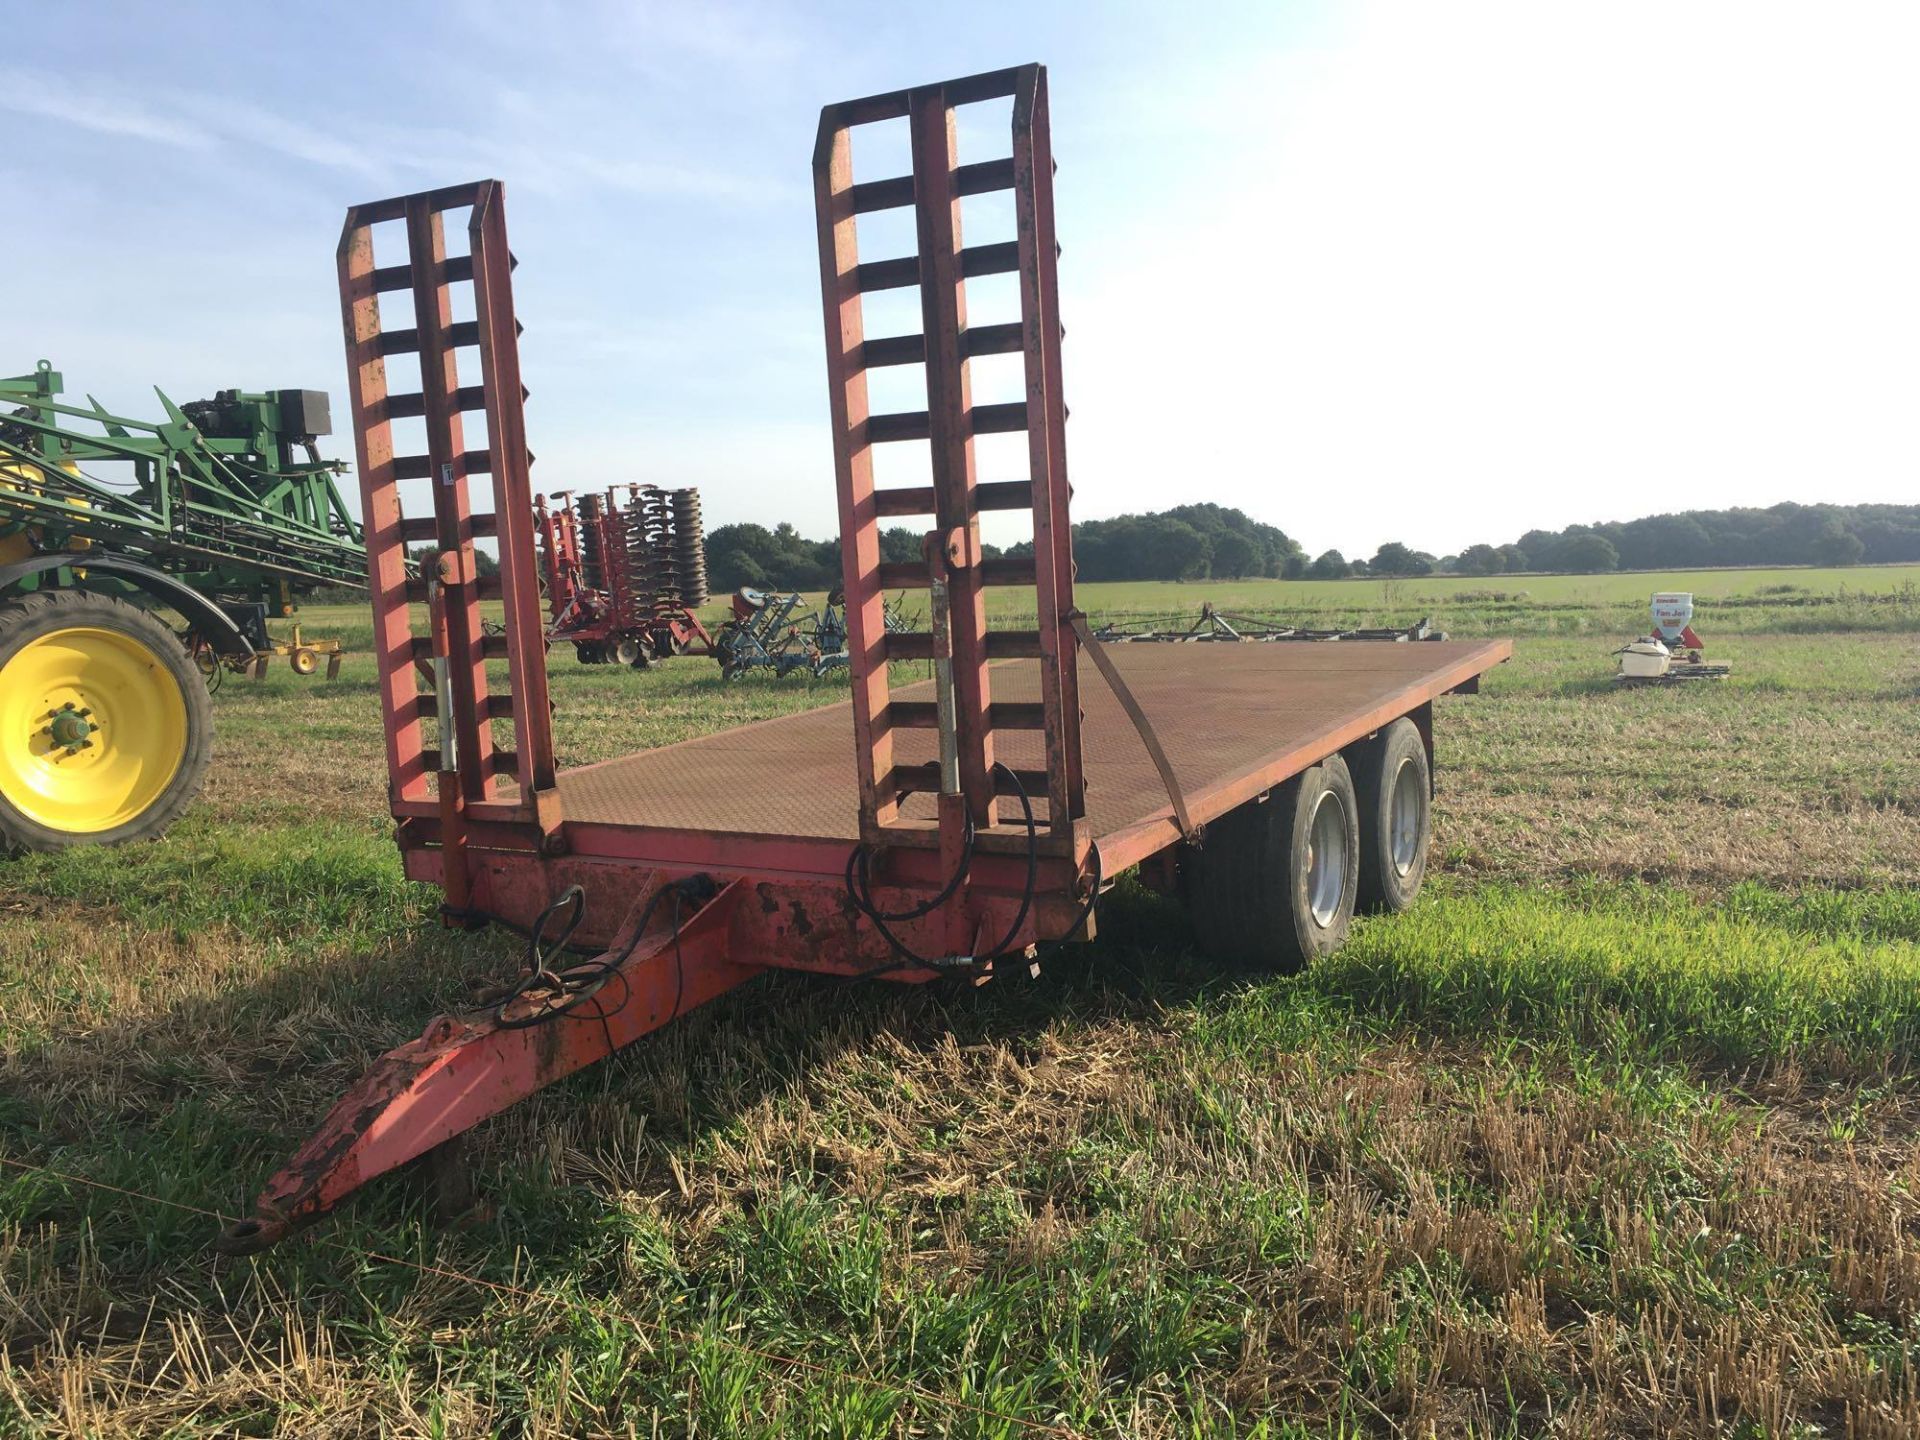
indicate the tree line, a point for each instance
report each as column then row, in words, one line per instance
column 1204, row 541
column 1188, row 542
column 1784, row 534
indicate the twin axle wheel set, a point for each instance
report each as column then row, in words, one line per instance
column 1275, row 883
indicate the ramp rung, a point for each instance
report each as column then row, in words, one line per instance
column 492, row 647
column 1003, row 495
column 500, row 762
column 447, row 197
column 998, row 419
column 453, row 269
column 407, row 342
column 494, row 707
column 988, row 495
column 1001, row 715
column 904, row 270
column 999, row 645
column 485, row 587
column 915, row 425
column 992, row 340
column 871, row 195
column 925, row 780
column 1013, row 644
column 425, row 528
column 406, row 406
column 904, row 425
column 903, row 500
column 420, row 467
column 893, row 274
column 989, row 85
column 976, row 179
column 911, row 575
column 912, row 349
column 891, row 350
column 467, row 397
column 1000, row 259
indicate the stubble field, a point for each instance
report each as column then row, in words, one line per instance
column 1613, row 1134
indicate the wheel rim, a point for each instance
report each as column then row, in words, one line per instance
column 1326, row 858
column 1403, row 820
column 93, row 729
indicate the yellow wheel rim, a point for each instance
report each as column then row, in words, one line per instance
column 93, row 729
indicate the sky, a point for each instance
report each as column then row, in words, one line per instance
column 1368, row 271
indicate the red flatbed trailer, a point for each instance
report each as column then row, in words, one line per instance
column 973, row 818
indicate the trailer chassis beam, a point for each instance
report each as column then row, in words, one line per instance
column 471, row 1065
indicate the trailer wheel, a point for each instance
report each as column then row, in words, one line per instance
column 1394, row 784
column 105, row 724
column 305, row 661
column 1272, row 886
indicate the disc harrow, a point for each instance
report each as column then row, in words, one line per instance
column 625, row 577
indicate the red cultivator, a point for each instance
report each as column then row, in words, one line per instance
column 982, row 808
column 624, row 581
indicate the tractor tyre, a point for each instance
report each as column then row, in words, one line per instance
column 1272, row 885
column 105, row 724
column 1394, row 784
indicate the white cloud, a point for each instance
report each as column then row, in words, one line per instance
column 543, row 149
column 54, row 97
column 244, row 124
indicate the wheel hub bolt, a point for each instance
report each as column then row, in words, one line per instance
column 70, row 728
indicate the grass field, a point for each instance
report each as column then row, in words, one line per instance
column 1613, row 1134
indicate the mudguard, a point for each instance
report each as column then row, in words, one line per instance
column 206, row 618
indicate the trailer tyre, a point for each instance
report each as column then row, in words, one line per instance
column 1394, row 783
column 105, row 724
column 1272, row 887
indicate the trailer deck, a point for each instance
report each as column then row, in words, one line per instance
column 1235, row 720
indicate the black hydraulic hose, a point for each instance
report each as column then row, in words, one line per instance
column 857, row 859
column 858, row 890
